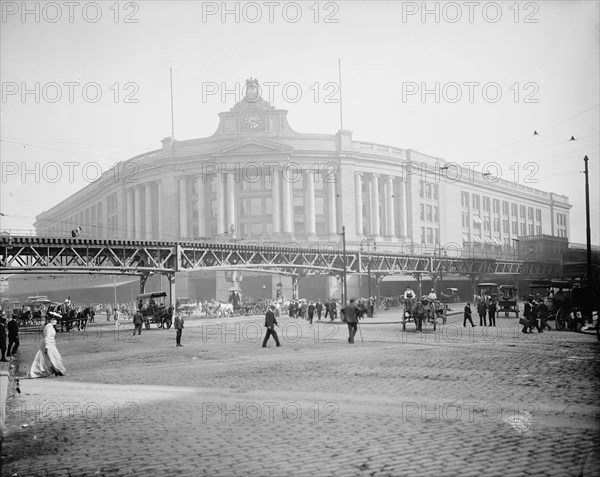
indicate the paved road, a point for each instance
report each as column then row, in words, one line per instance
column 460, row 401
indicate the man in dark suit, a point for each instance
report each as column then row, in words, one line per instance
column 319, row 308
column 270, row 322
column 467, row 315
column 179, row 328
column 3, row 338
column 351, row 313
column 13, row 336
column 138, row 319
column 311, row 312
column 492, row 313
column 482, row 311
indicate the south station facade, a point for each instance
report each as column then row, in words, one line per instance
column 257, row 180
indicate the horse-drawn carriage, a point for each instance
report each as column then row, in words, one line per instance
column 153, row 309
column 556, row 295
column 33, row 312
column 423, row 312
column 69, row 316
column 570, row 305
column 507, row 300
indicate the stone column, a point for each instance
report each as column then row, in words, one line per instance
column 310, row 213
column 129, row 220
column 358, row 205
column 230, row 177
column 159, row 206
column 138, row 234
column 375, row 231
column 183, row 208
column 201, row 201
column 389, row 198
column 286, row 192
column 220, row 205
column 148, row 209
column 402, row 212
column 105, row 231
column 331, row 209
column 276, row 198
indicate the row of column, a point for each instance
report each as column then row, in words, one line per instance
column 388, row 204
column 391, row 201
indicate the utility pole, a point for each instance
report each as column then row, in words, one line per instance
column 344, row 286
column 588, row 232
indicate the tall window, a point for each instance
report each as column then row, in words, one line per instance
column 514, row 209
column 530, row 213
column 538, row 215
column 505, row 207
column 476, row 201
column 496, row 206
column 464, row 199
column 429, row 214
column 436, row 191
column 486, row 204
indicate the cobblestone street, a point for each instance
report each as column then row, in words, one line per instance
column 457, row 401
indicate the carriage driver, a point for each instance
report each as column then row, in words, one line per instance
column 408, row 294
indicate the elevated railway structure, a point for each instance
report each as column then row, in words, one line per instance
column 39, row 255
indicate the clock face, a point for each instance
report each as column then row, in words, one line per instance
column 252, row 121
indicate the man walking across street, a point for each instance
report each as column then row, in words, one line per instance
column 270, row 323
column 311, row 312
column 179, row 329
column 13, row 337
column 467, row 315
column 319, row 308
column 351, row 312
column 137, row 322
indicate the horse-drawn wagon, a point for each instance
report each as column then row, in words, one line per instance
column 421, row 312
column 153, row 309
column 507, row 300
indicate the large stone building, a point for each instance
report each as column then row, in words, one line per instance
column 257, row 180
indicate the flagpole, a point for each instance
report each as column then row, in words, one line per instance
column 172, row 115
column 340, row 85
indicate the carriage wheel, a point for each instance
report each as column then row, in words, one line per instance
column 561, row 319
column 159, row 324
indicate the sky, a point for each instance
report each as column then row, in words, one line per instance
column 87, row 85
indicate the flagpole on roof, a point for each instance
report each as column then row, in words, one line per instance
column 340, row 85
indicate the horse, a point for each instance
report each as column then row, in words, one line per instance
column 420, row 314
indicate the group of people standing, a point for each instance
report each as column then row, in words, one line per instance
column 486, row 307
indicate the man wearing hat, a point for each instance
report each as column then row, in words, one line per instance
column 351, row 313
column 270, row 322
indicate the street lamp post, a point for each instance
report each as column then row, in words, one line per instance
column 588, row 233
column 368, row 242
column 344, row 284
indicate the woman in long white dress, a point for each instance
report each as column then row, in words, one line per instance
column 47, row 360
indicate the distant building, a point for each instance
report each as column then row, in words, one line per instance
column 257, row 180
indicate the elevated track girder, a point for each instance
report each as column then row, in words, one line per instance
column 20, row 254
